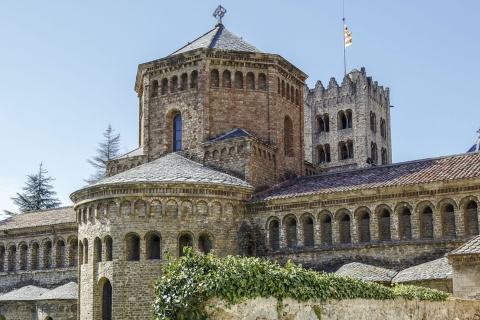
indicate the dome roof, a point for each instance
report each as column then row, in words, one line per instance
column 172, row 168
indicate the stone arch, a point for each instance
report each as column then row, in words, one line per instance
column 108, row 248
column 97, row 250
column 246, row 240
column 469, row 206
column 34, row 255
column 100, row 211
column 262, row 82
column 194, row 79
column 205, row 242
column 308, row 226
column 185, row 239
column 216, row 209
column 173, row 130
column 23, row 256
column 226, row 79
column 106, row 294
column 60, row 253
column 229, row 209
column 132, row 247
column 214, row 78
column 202, row 208
column 290, row 225
column 325, row 217
column 156, row 208
column 425, row 214
column 344, row 221
column 250, row 81
column 140, row 208
column 363, row 216
column 223, row 153
column 447, row 209
column 171, row 208
column 164, row 87
column 288, row 136
column 273, row 227
column 174, row 86
column 125, row 208
column 183, row 82
column 154, row 88
column 384, row 222
column 404, row 212
column 112, row 209
column 187, row 208
column 47, row 253
column 153, row 244
column 72, row 252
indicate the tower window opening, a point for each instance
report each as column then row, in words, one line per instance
column 177, row 132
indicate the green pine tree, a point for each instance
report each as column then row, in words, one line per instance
column 106, row 151
column 38, row 193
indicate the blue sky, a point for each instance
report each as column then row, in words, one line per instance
column 67, row 70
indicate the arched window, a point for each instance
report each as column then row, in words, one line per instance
column 205, row 243
column 326, row 122
column 97, row 250
column 292, row 94
column 238, row 80
column 288, row 136
column 326, row 148
column 383, row 128
column 80, row 252
column 107, row 301
column 348, row 116
column 154, row 88
column 471, row 219
column 73, row 253
column 108, row 248
column 288, row 91
column 226, row 79
column 384, row 156
column 448, row 221
column 308, row 233
column 60, row 254
column 373, row 152
column 164, row 88
column 279, row 86
column 384, row 225
column 177, row 132
column 47, row 254
column 133, row 247
column 174, row 87
column 250, row 81
column 364, row 227
column 405, row 224
column 291, row 232
column 2, row 258
column 194, row 79
column 321, row 155
column 373, row 122
column 341, row 120
column 23, row 257
column 274, row 235
column 12, row 257
column 350, row 149
column 297, row 97
column 184, row 82
column 326, row 229
column 185, row 240
column 262, row 82
column 85, row 251
column 320, row 124
column 214, row 78
column 283, row 88
column 153, row 246
column 426, row 223
column 344, row 229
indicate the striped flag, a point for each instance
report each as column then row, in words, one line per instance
column 348, row 36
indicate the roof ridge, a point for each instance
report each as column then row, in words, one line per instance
column 189, row 43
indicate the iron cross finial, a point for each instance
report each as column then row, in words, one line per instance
column 219, row 13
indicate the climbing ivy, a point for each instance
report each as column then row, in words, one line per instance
column 188, row 283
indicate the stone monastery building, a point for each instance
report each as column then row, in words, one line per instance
column 304, row 174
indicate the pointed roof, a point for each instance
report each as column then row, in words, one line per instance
column 218, row 38
column 366, row 272
column 236, row 133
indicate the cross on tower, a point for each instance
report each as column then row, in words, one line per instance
column 219, row 13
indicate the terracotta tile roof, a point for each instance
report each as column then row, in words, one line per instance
column 366, row 272
column 39, row 218
column 436, row 269
column 172, row 168
column 472, row 246
column 218, row 38
column 464, row 166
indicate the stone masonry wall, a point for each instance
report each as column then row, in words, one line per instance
column 356, row 309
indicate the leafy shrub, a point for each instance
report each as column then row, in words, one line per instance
column 188, row 283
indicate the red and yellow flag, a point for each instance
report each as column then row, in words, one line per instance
column 348, row 36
